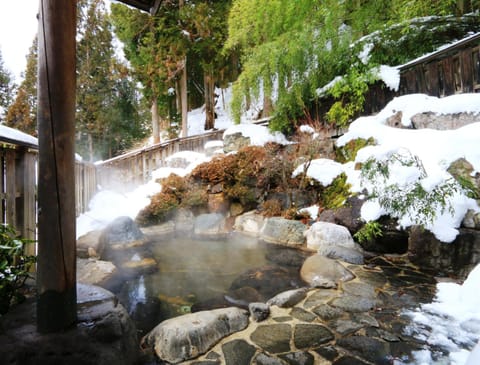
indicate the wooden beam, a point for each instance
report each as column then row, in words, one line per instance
column 56, row 267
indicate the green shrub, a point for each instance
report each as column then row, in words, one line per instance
column 409, row 199
column 14, row 267
column 369, row 232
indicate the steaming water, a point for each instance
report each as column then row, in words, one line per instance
column 189, row 271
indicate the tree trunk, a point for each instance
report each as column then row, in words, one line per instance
column 184, row 99
column 90, row 147
column 209, row 94
column 155, row 121
column 183, row 90
column 56, row 266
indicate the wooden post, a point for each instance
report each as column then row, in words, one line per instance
column 56, row 267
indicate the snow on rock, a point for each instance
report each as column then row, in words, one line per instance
column 258, row 134
column 323, row 170
column 435, row 149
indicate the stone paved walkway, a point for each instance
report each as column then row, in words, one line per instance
column 360, row 322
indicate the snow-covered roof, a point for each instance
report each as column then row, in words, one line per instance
column 17, row 137
column 444, row 49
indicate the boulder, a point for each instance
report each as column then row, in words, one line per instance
column 210, row 225
column 189, row 336
column 325, row 234
column 234, row 142
column 249, row 223
column 184, row 221
column 159, row 231
column 96, row 272
column 320, row 271
column 213, row 147
column 333, row 241
column 347, row 254
column 123, row 233
column 347, row 215
column 443, row 121
column 90, row 245
column 456, row 258
column 283, row 231
column 218, row 203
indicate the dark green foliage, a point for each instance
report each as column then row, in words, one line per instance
column 410, row 198
column 297, row 48
column 14, row 267
column 369, row 232
column 348, row 152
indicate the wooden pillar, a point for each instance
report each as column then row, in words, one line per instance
column 56, row 267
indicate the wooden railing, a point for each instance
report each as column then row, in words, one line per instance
column 85, row 185
column 127, row 171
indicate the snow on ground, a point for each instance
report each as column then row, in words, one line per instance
column 258, row 134
column 451, row 322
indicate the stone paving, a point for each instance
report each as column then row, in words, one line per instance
column 360, row 322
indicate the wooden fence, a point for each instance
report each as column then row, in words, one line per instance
column 122, row 173
column 18, row 190
column 18, row 187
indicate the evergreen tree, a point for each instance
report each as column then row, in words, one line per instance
column 205, row 22
column 108, row 106
column 7, row 88
column 156, row 49
column 22, row 113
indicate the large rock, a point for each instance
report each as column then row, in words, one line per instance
column 320, row 271
column 97, row 272
column 90, row 245
column 235, row 141
column 347, row 215
column 457, row 258
column 325, row 234
column 443, row 121
column 159, row 231
column 210, row 225
column 334, row 241
column 249, row 223
column 188, row 336
column 184, row 221
column 104, row 334
column 122, row 233
column 283, row 231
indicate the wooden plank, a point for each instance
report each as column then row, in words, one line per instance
column 11, row 191
column 2, row 186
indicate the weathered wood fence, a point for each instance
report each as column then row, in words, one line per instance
column 18, row 187
column 122, row 173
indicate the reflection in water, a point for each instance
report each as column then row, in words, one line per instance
column 194, row 271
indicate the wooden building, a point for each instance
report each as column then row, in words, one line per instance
column 454, row 69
